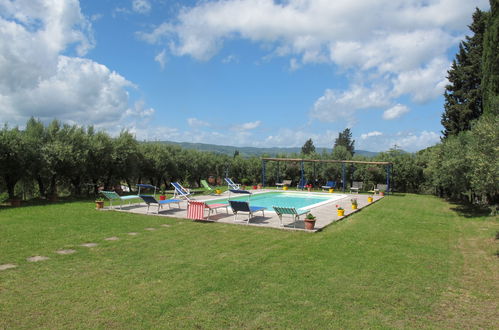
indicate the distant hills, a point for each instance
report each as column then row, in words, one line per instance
column 253, row 151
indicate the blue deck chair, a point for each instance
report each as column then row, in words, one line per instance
column 113, row 196
column 180, row 192
column 151, row 200
column 295, row 213
column 301, row 185
column 238, row 206
column 231, row 184
column 329, row 185
column 146, row 186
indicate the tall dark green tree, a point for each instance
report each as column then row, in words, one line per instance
column 308, row 148
column 490, row 81
column 345, row 139
column 463, row 95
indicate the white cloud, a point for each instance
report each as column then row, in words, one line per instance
column 247, row 126
column 415, row 142
column 390, row 28
column 370, row 134
column 294, row 64
column 37, row 80
column 424, row 83
column 395, row 112
column 230, row 59
column 80, row 91
column 141, row 6
column 337, row 106
column 399, row 44
column 197, row 123
column 408, row 141
column 288, row 137
column 161, row 59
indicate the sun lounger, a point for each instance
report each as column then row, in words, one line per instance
column 151, row 200
column 283, row 183
column 329, row 185
column 377, row 188
column 301, row 185
column 295, row 213
column 111, row 195
column 231, row 184
column 180, row 192
column 238, row 206
column 195, row 209
column 356, row 186
column 207, row 187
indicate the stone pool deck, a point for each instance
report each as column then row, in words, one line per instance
column 325, row 214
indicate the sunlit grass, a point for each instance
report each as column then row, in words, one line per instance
column 390, row 265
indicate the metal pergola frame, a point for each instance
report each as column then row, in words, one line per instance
column 389, row 167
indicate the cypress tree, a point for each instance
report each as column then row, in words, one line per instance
column 463, row 95
column 308, row 148
column 345, row 139
column 490, row 81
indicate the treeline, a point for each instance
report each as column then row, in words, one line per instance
column 43, row 161
column 47, row 160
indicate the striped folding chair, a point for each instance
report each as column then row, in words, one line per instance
column 195, row 209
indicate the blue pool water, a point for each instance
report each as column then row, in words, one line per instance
column 285, row 199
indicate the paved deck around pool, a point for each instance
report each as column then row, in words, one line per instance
column 325, row 214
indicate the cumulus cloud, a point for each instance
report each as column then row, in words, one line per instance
column 336, row 106
column 424, row 83
column 399, row 44
column 370, row 134
column 408, row 141
column 387, row 29
column 247, row 126
column 288, row 137
column 37, row 80
column 141, row 6
column 413, row 142
column 395, row 112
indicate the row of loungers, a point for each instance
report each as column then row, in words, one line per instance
column 196, row 209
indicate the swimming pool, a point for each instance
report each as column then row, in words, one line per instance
column 285, row 199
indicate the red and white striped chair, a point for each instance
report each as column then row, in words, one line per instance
column 195, row 209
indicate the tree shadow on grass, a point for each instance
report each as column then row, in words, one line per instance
column 39, row 202
column 470, row 210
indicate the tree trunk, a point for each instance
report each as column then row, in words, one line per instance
column 76, row 182
column 53, row 186
column 41, row 186
column 128, row 183
column 11, row 185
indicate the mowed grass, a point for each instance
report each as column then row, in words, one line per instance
column 406, row 261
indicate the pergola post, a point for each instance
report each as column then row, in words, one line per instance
column 278, row 173
column 315, row 174
column 263, row 173
column 302, row 172
column 343, row 175
column 388, row 172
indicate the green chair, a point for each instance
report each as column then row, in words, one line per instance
column 206, row 185
column 280, row 210
column 111, row 195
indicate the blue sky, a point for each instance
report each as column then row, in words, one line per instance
column 235, row 72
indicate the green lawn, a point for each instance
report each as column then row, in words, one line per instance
column 406, row 261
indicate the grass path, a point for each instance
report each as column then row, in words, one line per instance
column 407, row 261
